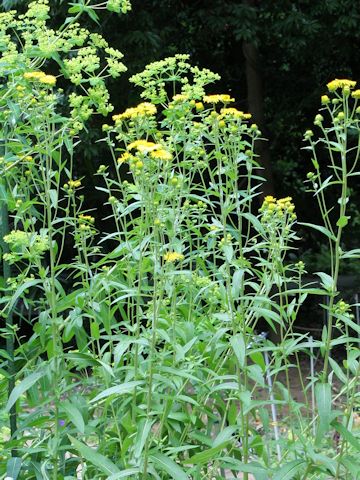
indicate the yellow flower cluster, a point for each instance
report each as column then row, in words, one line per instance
column 40, row 77
column 340, row 83
column 86, row 219
column 180, row 97
column 156, row 150
column 234, row 113
column 144, row 109
column 281, row 206
column 72, row 184
column 171, row 257
column 223, row 98
column 143, row 146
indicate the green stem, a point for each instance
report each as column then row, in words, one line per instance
column 4, row 230
column 152, row 353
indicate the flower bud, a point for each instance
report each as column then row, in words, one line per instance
column 325, row 100
column 318, row 119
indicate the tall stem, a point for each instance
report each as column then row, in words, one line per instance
column 4, row 230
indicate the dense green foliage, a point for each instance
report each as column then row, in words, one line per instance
column 143, row 358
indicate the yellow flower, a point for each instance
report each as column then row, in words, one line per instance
column 171, row 257
column 86, row 219
column 143, row 146
column 232, row 112
column 356, row 94
column 33, row 75
column 40, row 77
column 161, row 154
column 73, row 184
column 224, row 98
column 282, row 206
column 144, row 109
column 125, row 157
column 340, row 83
column 48, row 80
column 284, row 200
column 180, row 97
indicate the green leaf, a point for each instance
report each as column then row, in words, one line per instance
column 94, row 457
column 323, row 401
column 117, row 390
column 124, row 474
column 236, row 283
column 319, row 228
column 337, row 370
column 76, row 8
column 23, row 386
column 351, row 253
column 95, row 330
column 53, row 197
column 258, row 359
column 82, row 359
column 206, row 455
column 92, row 14
column 20, row 290
column 326, row 281
column 226, row 435
column 320, row 459
column 238, row 345
column 289, row 470
column 347, row 435
column 353, row 467
column 343, row 221
column 228, row 252
column 252, row 467
column 74, row 415
column 169, row 466
column 143, row 430
column 13, row 468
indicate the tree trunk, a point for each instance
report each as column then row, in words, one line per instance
column 256, row 108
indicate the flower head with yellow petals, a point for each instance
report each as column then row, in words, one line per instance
column 171, row 257
column 40, row 77
column 219, row 98
column 340, row 83
column 144, row 109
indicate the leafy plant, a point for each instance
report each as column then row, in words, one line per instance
column 145, row 358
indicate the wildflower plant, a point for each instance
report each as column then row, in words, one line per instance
column 38, row 199
column 145, row 358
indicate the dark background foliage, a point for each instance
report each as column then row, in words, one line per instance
column 274, row 57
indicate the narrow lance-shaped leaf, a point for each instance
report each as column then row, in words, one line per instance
column 169, row 466
column 94, row 457
column 320, row 229
column 238, row 345
column 23, row 386
column 323, row 401
column 13, row 468
column 289, row 470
